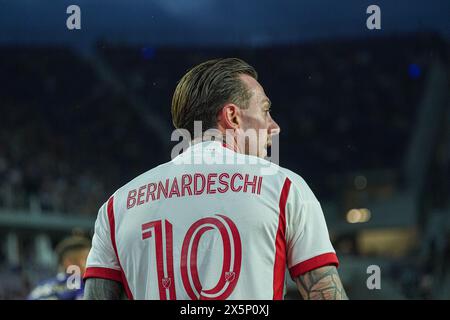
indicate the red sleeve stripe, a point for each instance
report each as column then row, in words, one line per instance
column 314, row 263
column 280, row 245
column 103, row 273
column 112, row 229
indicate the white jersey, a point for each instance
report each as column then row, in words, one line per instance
column 191, row 230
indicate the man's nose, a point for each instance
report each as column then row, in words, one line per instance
column 274, row 128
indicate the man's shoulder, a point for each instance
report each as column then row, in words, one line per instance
column 153, row 173
column 292, row 176
column 299, row 185
column 280, row 174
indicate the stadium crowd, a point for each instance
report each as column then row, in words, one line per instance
column 68, row 140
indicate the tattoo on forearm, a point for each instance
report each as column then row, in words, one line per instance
column 321, row 284
column 102, row 289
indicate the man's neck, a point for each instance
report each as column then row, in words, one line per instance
column 228, row 141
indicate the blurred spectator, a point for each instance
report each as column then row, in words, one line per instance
column 72, row 251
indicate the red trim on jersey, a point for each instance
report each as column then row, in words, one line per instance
column 228, row 147
column 280, row 245
column 103, row 273
column 193, row 259
column 170, row 272
column 314, row 263
column 112, row 229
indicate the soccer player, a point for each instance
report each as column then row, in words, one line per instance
column 71, row 251
column 201, row 228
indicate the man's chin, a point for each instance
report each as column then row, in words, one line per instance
column 263, row 153
column 260, row 152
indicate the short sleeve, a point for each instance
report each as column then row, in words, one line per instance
column 307, row 239
column 102, row 260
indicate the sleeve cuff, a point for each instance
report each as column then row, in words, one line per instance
column 314, row 263
column 103, row 273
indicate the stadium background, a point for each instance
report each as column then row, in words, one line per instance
column 364, row 115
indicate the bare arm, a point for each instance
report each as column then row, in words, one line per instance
column 321, row 284
column 102, row 289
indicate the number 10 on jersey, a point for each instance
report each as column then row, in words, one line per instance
column 231, row 262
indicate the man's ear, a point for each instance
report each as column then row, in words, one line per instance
column 229, row 117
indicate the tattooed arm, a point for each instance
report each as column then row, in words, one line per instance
column 102, row 289
column 321, row 284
